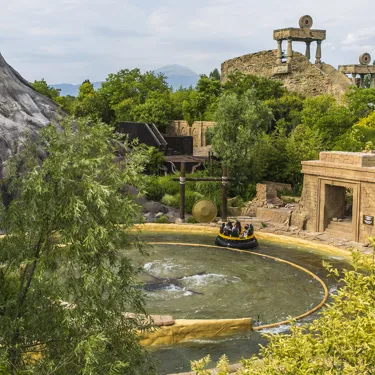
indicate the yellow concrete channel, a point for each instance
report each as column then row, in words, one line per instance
column 187, row 329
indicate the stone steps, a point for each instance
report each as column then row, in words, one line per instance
column 340, row 229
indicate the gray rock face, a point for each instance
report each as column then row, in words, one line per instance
column 23, row 111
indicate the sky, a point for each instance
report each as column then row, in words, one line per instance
column 68, row 41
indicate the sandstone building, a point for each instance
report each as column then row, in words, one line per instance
column 339, row 195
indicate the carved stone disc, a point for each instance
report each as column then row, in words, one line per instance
column 305, row 22
column 365, row 58
column 205, row 211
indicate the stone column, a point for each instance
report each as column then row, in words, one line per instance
column 307, row 53
column 318, row 54
column 289, row 54
column 362, row 80
column 354, row 79
column 279, row 52
column 372, row 82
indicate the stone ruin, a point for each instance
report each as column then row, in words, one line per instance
column 302, row 34
column 294, row 69
column 361, row 69
column 338, row 195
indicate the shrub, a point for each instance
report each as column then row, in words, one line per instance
column 190, row 199
column 171, row 200
column 236, row 202
column 169, row 186
column 154, row 190
column 162, row 220
column 191, row 220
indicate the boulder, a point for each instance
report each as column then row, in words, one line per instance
column 154, row 207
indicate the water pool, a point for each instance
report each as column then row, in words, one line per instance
column 217, row 283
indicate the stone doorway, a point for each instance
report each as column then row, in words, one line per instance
column 338, row 209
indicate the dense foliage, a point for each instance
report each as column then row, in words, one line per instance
column 340, row 342
column 65, row 280
column 297, row 128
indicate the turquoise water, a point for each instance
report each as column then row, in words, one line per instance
column 217, row 283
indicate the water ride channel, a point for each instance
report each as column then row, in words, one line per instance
column 188, row 278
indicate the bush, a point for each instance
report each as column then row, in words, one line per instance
column 191, row 220
column 154, row 190
column 236, row 202
column 169, row 186
column 162, row 220
column 190, row 199
column 250, row 193
column 171, row 200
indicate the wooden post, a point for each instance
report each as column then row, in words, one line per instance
column 224, row 188
column 182, row 192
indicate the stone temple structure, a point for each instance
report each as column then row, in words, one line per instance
column 339, row 195
column 360, row 69
column 293, row 69
column 302, row 34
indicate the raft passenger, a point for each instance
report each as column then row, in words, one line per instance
column 222, row 228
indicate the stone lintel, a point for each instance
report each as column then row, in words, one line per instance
column 357, row 159
column 357, row 69
column 342, row 172
column 299, row 35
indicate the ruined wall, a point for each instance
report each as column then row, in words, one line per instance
column 197, row 130
column 304, row 77
column 305, row 216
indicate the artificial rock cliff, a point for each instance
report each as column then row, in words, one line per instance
column 23, row 112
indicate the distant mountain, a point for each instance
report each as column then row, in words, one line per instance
column 178, row 75
column 69, row 89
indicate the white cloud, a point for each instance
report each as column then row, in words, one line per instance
column 70, row 40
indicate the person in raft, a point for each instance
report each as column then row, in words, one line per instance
column 222, row 228
column 228, row 229
column 246, row 231
column 236, row 230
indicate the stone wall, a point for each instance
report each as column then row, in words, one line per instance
column 304, row 77
column 304, row 217
column 279, row 216
column 197, row 130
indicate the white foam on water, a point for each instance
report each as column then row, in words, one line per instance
column 336, row 257
column 276, row 330
column 332, row 290
column 161, row 267
column 210, row 278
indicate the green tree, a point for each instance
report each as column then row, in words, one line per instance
column 241, row 122
column 286, row 111
column 265, row 88
column 129, row 88
column 325, row 116
column 360, row 136
column 43, row 88
column 340, row 342
column 91, row 103
column 215, row 74
column 157, row 109
column 361, row 102
column 65, row 279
